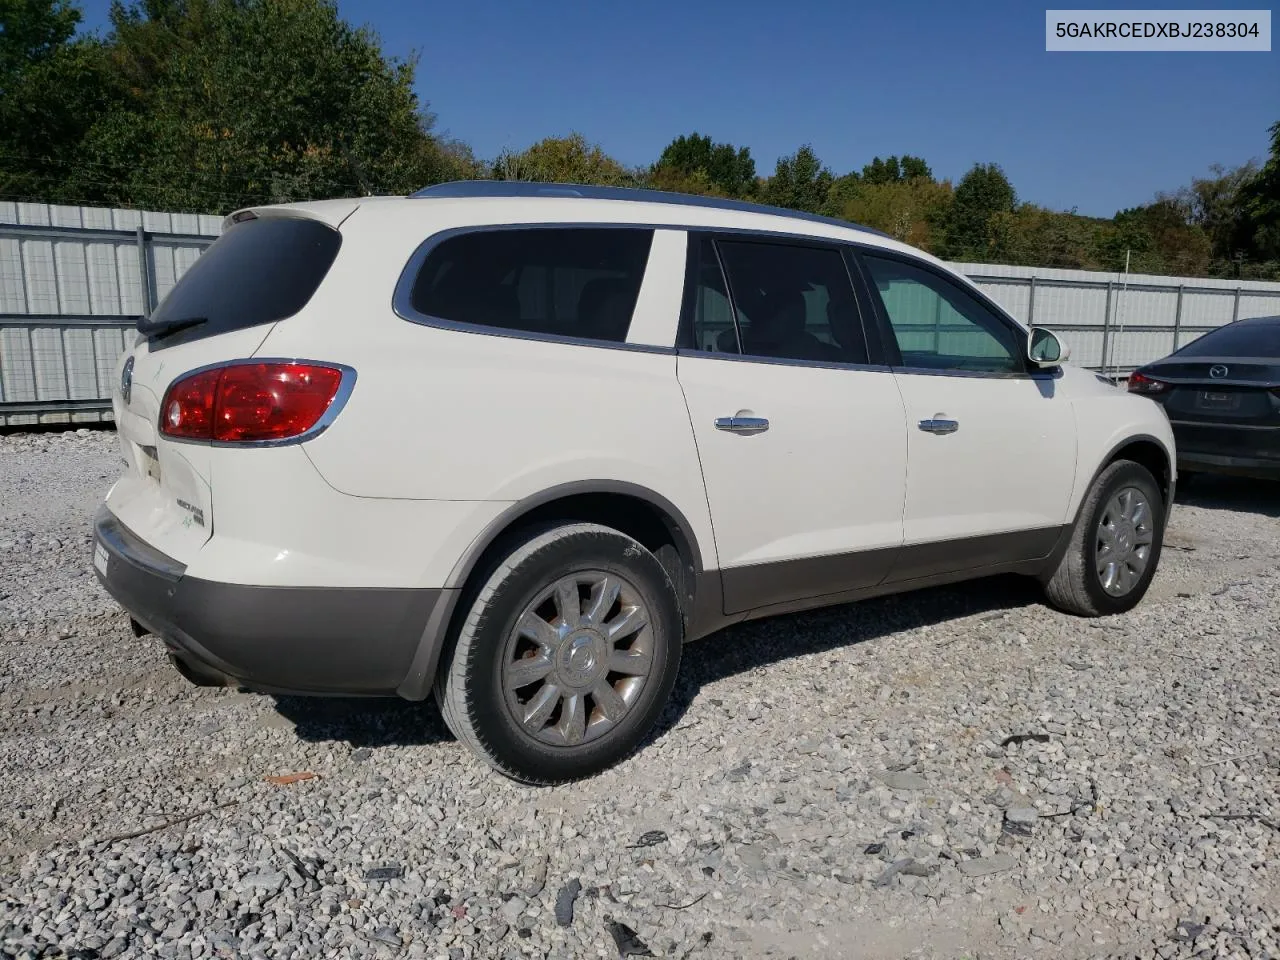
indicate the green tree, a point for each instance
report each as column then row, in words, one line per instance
column 32, row 31
column 799, row 182
column 896, row 169
column 1260, row 198
column 51, row 88
column 727, row 170
column 981, row 193
column 568, row 159
column 213, row 104
column 907, row 210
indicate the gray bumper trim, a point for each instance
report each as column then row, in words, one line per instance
column 321, row 640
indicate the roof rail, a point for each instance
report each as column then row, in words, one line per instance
column 523, row 188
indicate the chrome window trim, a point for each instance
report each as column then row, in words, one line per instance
column 345, row 386
column 693, row 354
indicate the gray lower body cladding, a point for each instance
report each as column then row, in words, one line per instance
column 354, row 641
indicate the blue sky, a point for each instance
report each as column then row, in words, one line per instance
column 955, row 83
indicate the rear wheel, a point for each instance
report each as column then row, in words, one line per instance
column 566, row 658
column 1115, row 545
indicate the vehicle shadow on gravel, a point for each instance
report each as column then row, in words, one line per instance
column 364, row 722
column 760, row 643
column 1238, row 494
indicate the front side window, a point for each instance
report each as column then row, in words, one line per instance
column 790, row 302
column 938, row 325
column 569, row 282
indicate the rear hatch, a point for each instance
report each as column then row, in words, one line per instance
column 262, row 270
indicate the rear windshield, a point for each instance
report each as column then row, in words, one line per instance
column 557, row 281
column 1248, row 339
column 257, row 272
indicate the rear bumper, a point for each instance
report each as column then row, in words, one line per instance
column 312, row 640
column 1227, row 448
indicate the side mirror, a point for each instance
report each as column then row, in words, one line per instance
column 1044, row 349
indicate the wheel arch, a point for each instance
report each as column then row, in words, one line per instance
column 647, row 516
column 1149, row 452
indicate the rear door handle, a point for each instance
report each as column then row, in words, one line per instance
column 939, row 425
column 742, row 424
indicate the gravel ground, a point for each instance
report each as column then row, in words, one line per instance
column 960, row 772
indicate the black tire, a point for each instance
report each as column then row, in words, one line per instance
column 1075, row 586
column 470, row 688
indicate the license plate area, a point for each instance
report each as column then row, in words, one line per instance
column 150, row 463
column 1217, row 400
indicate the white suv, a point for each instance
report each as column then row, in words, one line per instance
column 516, row 443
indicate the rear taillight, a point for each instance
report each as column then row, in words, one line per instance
column 1141, row 383
column 250, row 402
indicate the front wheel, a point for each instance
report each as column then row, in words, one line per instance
column 1115, row 545
column 566, row 658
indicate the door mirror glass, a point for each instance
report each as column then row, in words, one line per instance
column 1045, row 349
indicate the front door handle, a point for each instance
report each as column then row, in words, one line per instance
column 939, row 424
column 742, row 424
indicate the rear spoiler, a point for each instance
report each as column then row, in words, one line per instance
column 331, row 212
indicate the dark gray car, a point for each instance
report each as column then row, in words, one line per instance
column 1222, row 395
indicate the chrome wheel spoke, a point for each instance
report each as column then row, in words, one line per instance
column 527, row 670
column 1106, row 556
column 1124, row 577
column 568, row 603
column 1141, row 513
column 533, row 627
column 611, row 705
column 630, row 621
column 603, row 596
column 573, row 718
column 1126, row 504
column 632, row 663
column 540, row 708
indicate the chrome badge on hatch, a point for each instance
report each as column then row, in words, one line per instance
column 126, row 380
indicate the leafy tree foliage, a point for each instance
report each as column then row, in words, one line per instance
column 211, row 104
column 724, row 169
column 568, row 159
column 981, row 193
column 896, row 170
column 799, row 182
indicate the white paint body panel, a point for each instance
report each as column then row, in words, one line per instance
column 1010, row 466
column 827, row 477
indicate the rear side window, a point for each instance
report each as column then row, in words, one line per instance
column 257, row 272
column 1248, row 339
column 565, row 282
